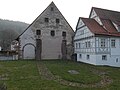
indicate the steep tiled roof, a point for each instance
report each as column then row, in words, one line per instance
column 93, row 26
column 109, row 26
column 108, row 14
column 97, row 29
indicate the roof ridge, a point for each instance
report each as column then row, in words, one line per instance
column 41, row 14
column 105, row 9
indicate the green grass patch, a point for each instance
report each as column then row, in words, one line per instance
column 61, row 68
column 24, row 75
column 15, row 70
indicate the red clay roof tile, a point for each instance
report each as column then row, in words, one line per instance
column 109, row 26
column 97, row 29
column 114, row 16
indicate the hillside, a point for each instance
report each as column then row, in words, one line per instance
column 9, row 30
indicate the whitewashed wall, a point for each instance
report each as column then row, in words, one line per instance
column 26, row 47
column 115, row 50
column 83, row 48
column 82, row 32
column 113, row 61
column 84, row 59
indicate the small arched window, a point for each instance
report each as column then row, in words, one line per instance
column 38, row 32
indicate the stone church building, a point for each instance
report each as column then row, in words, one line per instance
column 49, row 36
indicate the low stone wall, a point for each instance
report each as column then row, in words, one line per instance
column 8, row 55
column 14, row 57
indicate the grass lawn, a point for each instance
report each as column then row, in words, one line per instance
column 24, row 75
column 85, row 74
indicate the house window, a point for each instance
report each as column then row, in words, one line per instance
column 88, row 44
column 57, row 21
column 76, row 45
column 80, row 55
column 102, row 42
column 52, row 9
column 104, row 57
column 46, row 20
column 88, row 57
column 79, row 45
column 64, row 34
column 52, row 33
column 117, row 60
column 38, row 32
column 113, row 43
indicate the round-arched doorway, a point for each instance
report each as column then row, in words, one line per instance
column 29, row 51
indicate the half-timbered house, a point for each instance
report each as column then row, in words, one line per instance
column 97, row 38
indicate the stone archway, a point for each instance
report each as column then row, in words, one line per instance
column 29, row 50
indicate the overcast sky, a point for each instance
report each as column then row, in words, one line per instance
column 28, row 10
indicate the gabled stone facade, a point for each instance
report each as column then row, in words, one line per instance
column 48, row 37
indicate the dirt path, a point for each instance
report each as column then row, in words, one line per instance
column 46, row 74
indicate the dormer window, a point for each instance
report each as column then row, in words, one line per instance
column 46, row 20
column 38, row 32
column 118, row 28
column 52, row 9
column 57, row 21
